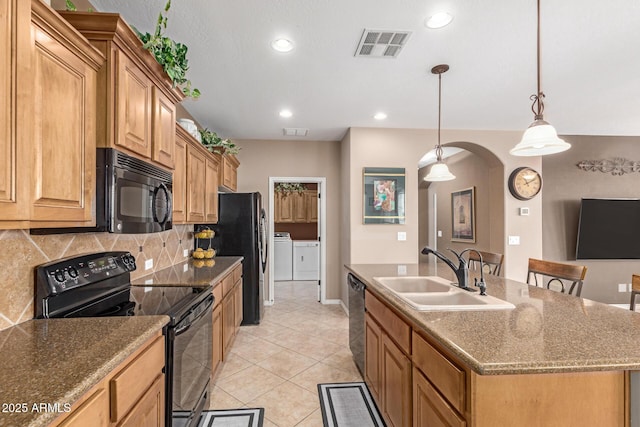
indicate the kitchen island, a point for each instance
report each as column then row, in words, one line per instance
column 553, row 359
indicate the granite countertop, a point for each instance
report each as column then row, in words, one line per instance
column 187, row 274
column 56, row 361
column 546, row 332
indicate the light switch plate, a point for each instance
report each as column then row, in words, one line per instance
column 439, row 233
column 148, row 264
column 514, row 240
column 185, row 253
column 402, row 235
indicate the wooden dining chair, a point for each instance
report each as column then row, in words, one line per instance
column 635, row 290
column 491, row 262
column 557, row 274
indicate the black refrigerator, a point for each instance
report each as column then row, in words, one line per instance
column 241, row 231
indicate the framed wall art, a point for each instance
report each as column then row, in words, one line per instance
column 383, row 195
column 463, row 216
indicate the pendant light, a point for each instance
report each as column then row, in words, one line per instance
column 540, row 138
column 439, row 171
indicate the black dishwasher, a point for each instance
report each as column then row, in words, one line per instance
column 356, row 320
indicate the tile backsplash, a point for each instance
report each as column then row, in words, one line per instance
column 20, row 252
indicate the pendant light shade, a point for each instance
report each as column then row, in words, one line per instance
column 540, row 138
column 439, row 171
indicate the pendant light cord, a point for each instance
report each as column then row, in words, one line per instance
column 538, row 104
column 439, row 147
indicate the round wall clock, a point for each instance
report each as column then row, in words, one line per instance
column 524, row 183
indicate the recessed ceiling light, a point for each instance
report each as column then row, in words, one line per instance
column 282, row 45
column 439, row 20
column 380, row 116
column 286, row 114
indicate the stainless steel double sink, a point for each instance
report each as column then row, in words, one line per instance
column 433, row 293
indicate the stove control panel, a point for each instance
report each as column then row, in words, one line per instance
column 62, row 275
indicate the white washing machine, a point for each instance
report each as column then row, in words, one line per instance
column 306, row 260
column 283, row 256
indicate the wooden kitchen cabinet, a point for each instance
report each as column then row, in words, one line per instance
column 296, row 207
column 164, row 129
column 228, row 173
column 180, row 178
column 231, row 308
column 195, row 181
column 136, row 98
column 217, row 339
column 130, row 395
column 373, row 343
column 388, row 362
column 211, row 189
column 311, row 202
column 283, row 207
column 47, row 120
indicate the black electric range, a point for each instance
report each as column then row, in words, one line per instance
column 98, row 285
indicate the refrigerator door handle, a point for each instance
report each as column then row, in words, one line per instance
column 264, row 246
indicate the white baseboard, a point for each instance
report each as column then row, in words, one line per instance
column 332, row 301
column 267, row 302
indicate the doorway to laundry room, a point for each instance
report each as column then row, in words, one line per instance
column 297, row 236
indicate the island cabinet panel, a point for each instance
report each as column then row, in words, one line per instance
column 373, row 343
column 388, row 363
column 395, row 384
column 228, row 323
column 237, row 298
column 228, row 293
column 441, row 372
column 565, row 399
column 430, row 409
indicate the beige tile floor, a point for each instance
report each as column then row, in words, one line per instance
column 278, row 364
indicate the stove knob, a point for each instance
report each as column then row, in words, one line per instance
column 73, row 273
column 59, row 276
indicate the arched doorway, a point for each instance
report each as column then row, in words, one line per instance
column 479, row 172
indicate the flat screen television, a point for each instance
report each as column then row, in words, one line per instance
column 609, row 229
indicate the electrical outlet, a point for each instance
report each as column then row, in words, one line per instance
column 402, row 270
column 439, row 233
column 185, row 253
column 402, row 235
column 622, row 287
column 148, row 264
column 514, row 240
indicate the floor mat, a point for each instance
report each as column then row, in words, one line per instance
column 348, row 405
column 246, row 417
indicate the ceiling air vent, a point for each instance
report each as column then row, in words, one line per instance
column 381, row 43
column 295, row 131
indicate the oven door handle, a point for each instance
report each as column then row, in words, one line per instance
column 206, row 310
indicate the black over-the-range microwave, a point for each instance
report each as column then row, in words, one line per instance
column 132, row 196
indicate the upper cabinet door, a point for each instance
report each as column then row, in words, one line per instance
column 196, row 170
column 133, row 107
column 64, row 122
column 180, row 181
column 164, row 129
column 211, row 190
column 15, row 84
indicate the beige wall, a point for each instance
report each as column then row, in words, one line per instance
column 564, row 185
column 21, row 252
column 470, row 170
column 369, row 147
column 261, row 159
